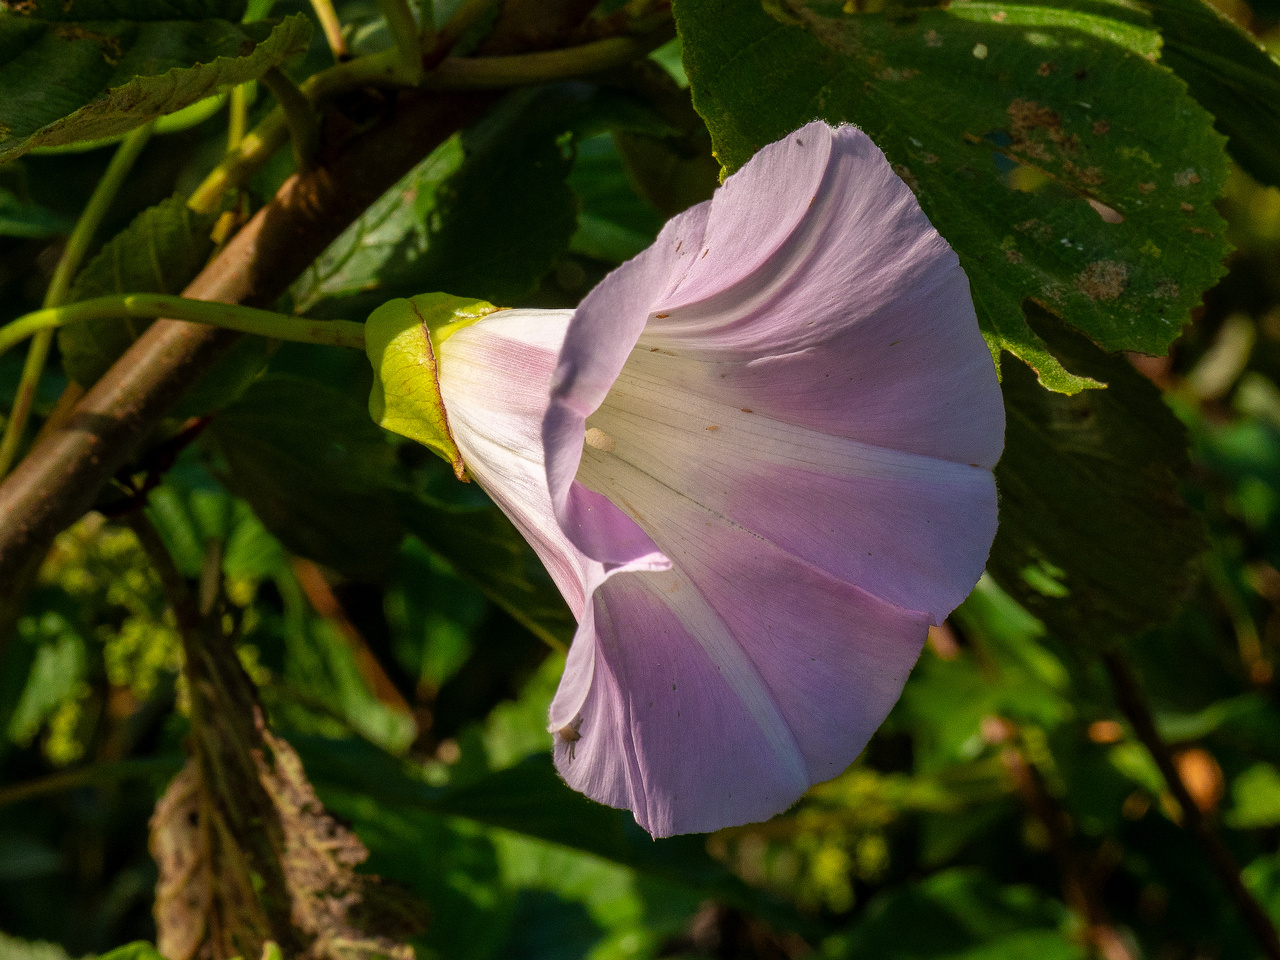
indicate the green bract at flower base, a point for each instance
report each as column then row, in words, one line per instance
column 401, row 339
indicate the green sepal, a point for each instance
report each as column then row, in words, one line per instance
column 401, row 339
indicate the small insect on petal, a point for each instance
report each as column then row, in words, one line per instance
column 600, row 440
column 569, row 734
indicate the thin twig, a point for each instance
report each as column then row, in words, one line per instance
column 280, row 326
column 332, row 28
column 68, row 265
column 464, row 17
column 1076, row 888
column 237, row 115
column 1133, row 704
column 84, row 776
column 404, row 31
column 255, row 148
column 492, row 73
column 299, row 116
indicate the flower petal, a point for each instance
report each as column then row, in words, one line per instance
column 912, row 530
column 851, row 318
column 699, row 696
column 717, row 698
column 495, row 380
column 861, row 324
column 605, row 328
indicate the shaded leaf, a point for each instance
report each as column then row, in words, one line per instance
column 12, row 948
column 1094, row 536
column 1026, row 132
column 70, row 11
column 159, row 252
column 485, row 216
column 484, row 547
column 85, row 80
column 134, row 951
column 21, row 218
column 308, row 459
column 1231, row 76
column 614, row 223
column 961, row 914
column 530, row 798
column 1256, row 793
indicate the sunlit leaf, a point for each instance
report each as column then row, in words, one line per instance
column 68, row 80
column 485, row 216
column 1062, row 163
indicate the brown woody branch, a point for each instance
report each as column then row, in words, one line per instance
column 60, row 479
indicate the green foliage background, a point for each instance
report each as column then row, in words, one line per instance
column 1109, row 173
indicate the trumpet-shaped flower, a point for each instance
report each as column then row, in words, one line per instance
column 757, row 463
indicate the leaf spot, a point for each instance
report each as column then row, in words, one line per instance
column 1103, row 280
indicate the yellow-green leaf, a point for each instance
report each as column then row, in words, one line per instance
column 401, row 338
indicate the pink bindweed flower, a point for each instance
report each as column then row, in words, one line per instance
column 757, row 462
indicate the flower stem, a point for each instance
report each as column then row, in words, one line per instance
column 488, row 73
column 241, row 162
column 332, row 28
column 258, row 145
column 68, row 265
column 404, row 30
column 338, row 333
column 299, row 116
column 238, row 119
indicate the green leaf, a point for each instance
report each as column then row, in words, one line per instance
column 59, row 667
column 17, row 658
column 309, row 461
column 1231, row 76
column 133, row 951
column 19, row 218
column 324, row 663
column 59, row 11
column 531, row 799
column 960, row 913
column 483, row 546
column 1010, row 674
column 85, row 80
column 614, row 223
column 12, row 948
column 1257, row 798
column 1088, row 484
column 485, row 216
column 159, row 252
column 1026, row 130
